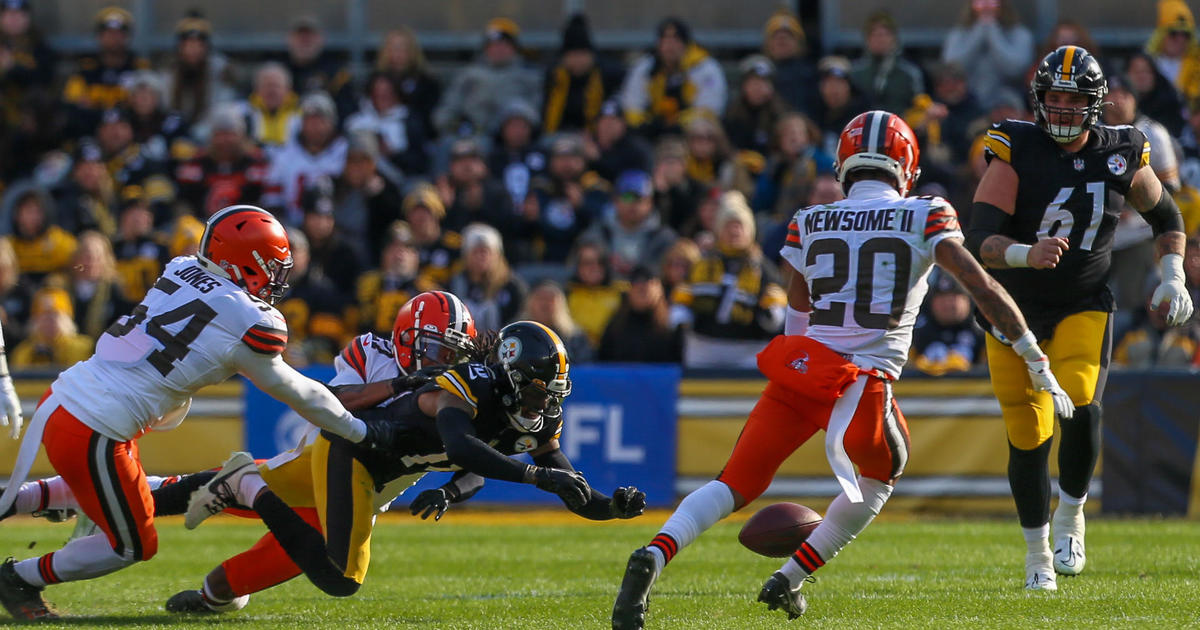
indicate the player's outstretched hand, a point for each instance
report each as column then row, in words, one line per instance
column 569, row 485
column 431, row 502
column 1046, row 253
column 1179, row 302
column 11, row 417
column 628, row 502
column 1043, row 381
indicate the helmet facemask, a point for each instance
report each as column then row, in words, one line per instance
column 277, row 272
column 1087, row 115
column 432, row 348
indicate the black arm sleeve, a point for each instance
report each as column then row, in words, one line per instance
column 469, row 452
column 986, row 220
column 598, row 506
column 1164, row 216
column 462, row 486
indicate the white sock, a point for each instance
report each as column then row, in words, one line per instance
column 249, row 487
column 81, row 559
column 843, row 522
column 1037, row 539
column 53, row 492
column 697, row 512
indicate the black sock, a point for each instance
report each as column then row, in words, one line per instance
column 1029, row 478
column 172, row 498
column 304, row 545
column 1079, row 449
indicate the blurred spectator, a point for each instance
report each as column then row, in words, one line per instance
column 438, row 249
column 479, row 91
column 16, row 296
column 838, row 101
column 401, row 58
column 1156, row 97
column 633, row 234
column 785, row 45
column 99, row 83
column 134, row 173
column 947, row 123
column 198, row 77
column 792, row 169
column 93, row 284
column 315, row 69
column 53, row 339
column 676, row 195
column 593, row 295
column 26, row 62
column 315, row 309
column 229, row 171
column 486, row 284
column 87, row 200
column 1122, row 109
column 366, row 203
column 991, row 41
column 733, row 301
column 1174, row 47
column 1152, row 343
column 887, row 80
column 401, row 136
column 612, row 148
column 331, row 255
column 140, row 256
column 946, row 339
column 577, row 85
column 516, row 158
column 316, row 151
column 41, row 246
column 709, row 155
column 273, row 109
column 640, row 331
column 753, row 112
column 825, row 189
column 565, row 200
column 677, row 77
column 677, row 264
column 470, row 193
column 547, row 305
column 1067, row 33
column 381, row 292
column 184, row 236
column 162, row 134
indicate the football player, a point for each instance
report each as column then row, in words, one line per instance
column 513, row 401
column 1042, row 223
column 858, row 271
column 206, row 318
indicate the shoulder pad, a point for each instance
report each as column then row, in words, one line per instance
column 468, row 381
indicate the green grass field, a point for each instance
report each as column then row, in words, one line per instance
column 549, row 573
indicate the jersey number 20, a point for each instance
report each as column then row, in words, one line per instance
column 864, row 285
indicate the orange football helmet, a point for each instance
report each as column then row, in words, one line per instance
column 433, row 328
column 247, row 245
column 879, row 140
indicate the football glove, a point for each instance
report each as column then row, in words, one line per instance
column 11, row 416
column 1043, row 381
column 1173, row 291
column 569, row 485
column 627, row 502
column 431, row 502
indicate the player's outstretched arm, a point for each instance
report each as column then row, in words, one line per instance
column 998, row 307
column 311, row 399
column 626, row 501
column 1150, row 198
column 11, row 416
column 357, row 397
column 991, row 216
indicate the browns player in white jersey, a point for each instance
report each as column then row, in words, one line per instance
column 858, row 271
column 206, row 318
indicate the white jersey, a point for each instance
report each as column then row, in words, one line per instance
column 293, row 169
column 182, row 337
column 867, row 260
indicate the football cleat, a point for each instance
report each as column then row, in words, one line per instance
column 777, row 592
column 629, row 611
column 1039, row 574
column 221, row 492
column 194, row 602
column 22, row 599
column 1069, row 555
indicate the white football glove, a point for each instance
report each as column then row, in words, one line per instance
column 1043, row 381
column 11, row 417
column 1173, row 290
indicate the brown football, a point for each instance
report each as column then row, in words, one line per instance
column 776, row 531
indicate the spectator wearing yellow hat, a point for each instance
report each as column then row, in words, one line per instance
column 100, row 80
column 786, row 47
column 677, row 77
column 481, row 90
column 53, row 339
column 1174, row 47
column 438, row 249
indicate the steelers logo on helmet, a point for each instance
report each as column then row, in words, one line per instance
column 1117, row 164
column 510, row 350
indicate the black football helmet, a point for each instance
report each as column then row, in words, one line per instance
column 1068, row 69
column 533, row 361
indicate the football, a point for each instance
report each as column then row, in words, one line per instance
column 776, row 531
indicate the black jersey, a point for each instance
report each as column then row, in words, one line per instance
column 420, row 448
column 1066, row 195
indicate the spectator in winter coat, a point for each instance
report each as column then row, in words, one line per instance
column 679, row 76
column 887, row 80
column 478, row 92
column 991, row 41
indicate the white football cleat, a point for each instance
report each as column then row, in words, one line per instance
column 1039, row 574
column 1069, row 555
column 221, row 492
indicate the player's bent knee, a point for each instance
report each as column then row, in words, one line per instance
column 745, row 487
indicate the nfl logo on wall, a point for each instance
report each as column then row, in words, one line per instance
column 1116, row 164
column 510, row 349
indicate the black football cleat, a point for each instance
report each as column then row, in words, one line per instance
column 777, row 592
column 191, row 601
column 22, row 599
column 629, row 611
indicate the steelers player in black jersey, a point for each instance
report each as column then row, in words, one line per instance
column 1043, row 225
column 470, row 419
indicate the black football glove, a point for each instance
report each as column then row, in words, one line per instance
column 569, row 485
column 381, row 434
column 627, row 502
column 431, row 502
column 410, row 382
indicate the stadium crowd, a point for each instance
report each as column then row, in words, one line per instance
column 636, row 208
